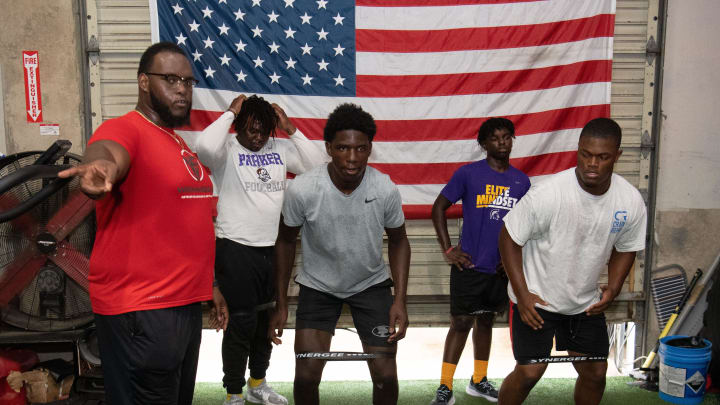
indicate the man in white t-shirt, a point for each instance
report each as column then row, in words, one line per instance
column 250, row 171
column 554, row 245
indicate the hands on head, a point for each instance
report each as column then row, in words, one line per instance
column 284, row 122
column 236, row 104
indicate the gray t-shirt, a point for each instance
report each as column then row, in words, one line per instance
column 342, row 235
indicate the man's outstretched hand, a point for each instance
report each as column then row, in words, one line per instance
column 96, row 178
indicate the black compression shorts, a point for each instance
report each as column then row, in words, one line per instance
column 578, row 333
column 370, row 310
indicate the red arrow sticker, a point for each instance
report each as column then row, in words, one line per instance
column 33, row 101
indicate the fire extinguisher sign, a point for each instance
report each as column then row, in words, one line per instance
column 33, row 101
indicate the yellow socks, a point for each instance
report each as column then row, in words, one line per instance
column 253, row 383
column 229, row 396
column 447, row 373
column 480, row 372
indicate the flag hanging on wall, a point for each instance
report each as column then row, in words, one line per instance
column 429, row 71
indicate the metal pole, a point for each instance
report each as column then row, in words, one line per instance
column 661, row 19
column 87, row 111
column 3, row 141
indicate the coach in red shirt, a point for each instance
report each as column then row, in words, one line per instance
column 152, row 263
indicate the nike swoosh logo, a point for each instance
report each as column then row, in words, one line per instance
column 370, row 200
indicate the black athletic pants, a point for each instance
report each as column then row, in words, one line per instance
column 245, row 277
column 150, row 357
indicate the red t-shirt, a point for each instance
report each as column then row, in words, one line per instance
column 155, row 243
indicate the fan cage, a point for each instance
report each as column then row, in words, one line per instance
column 52, row 301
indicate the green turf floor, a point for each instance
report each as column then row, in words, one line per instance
column 551, row 391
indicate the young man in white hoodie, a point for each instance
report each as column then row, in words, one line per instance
column 250, row 172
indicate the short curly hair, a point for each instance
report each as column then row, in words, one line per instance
column 257, row 109
column 349, row 116
column 493, row 124
column 603, row 128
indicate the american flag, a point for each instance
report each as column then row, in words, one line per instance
column 429, row 71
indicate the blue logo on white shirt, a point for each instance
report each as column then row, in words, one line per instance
column 618, row 222
column 259, row 160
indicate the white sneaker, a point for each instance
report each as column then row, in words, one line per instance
column 265, row 395
column 234, row 400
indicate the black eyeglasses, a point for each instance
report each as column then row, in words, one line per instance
column 175, row 79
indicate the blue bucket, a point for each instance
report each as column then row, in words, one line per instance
column 683, row 369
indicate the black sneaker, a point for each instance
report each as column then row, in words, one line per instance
column 482, row 389
column 443, row 396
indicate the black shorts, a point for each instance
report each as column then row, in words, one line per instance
column 473, row 292
column 370, row 311
column 579, row 333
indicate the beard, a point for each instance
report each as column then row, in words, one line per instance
column 163, row 111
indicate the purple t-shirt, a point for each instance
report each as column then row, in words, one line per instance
column 486, row 196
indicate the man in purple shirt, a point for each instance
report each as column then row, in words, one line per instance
column 489, row 189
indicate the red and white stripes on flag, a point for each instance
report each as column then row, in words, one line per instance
column 431, row 71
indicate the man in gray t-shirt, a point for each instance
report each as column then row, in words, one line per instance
column 343, row 209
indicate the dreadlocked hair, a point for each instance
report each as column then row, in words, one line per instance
column 253, row 109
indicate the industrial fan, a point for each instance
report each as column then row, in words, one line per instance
column 47, row 230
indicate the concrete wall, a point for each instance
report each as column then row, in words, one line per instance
column 53, row 29
column 687, row 227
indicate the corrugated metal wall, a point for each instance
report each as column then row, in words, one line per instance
column 122, row 31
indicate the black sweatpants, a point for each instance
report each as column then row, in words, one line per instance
column 245, row 277
column 150, row 357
